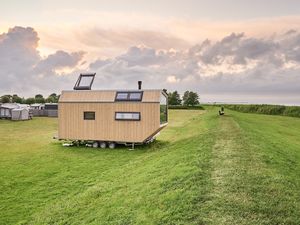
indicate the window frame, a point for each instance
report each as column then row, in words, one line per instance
column 118, row 119
column 89, row 87
column 128, row 96
column 84, row 117
column 167, row 108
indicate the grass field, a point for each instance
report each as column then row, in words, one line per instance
column 204, row 169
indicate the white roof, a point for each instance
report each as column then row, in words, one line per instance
column 13, row 106
column 36, row 104
column 20, row 109
column 10, row 105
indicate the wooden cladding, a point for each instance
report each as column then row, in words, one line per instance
column 96, row 116
column 73, row 127
column 105, row 96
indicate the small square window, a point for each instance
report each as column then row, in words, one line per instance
column 89, row 115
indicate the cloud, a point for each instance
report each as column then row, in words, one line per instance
column 236, row 65
column 144, row 56
column 24, row 71
column 235, row 48
column 59, row 60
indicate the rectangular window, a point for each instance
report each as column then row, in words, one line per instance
column 135, row 96
column 89, row 115
column 122, row 96
column 129, row 96
column 163, row 109
column 128, row 116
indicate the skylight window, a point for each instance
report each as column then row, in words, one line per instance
column 85, row 81
column 135, row 96
column 122, row 96
column 129, row 96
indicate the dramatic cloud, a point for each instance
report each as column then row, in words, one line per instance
column 236, row 65
column 23, row 70
column 59, row 60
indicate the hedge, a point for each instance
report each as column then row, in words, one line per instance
column 267, row 109
column 198, row 107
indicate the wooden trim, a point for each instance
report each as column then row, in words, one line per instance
column 105, row 127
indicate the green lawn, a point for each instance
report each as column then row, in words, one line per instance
column 204, row 169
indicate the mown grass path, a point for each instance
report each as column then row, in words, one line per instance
column 204, row 169
column 255, row 171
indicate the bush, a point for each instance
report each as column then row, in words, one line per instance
column 267, row 109
column 198, row 107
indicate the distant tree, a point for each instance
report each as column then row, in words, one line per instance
column 194, row 98
column 54, row 95
column 5, row 99
column 39, row 98
column 174, row 98
column 15, row 98
column 190, row 98
column 53, row 98
column 185, row 97
column 30, row 101
column 165, row 90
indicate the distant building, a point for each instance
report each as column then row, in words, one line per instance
column 37, row 106
column 51, row 109
column 37, row 109
column 14, row 111
column 47, row 109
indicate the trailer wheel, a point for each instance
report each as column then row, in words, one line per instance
column 95, row 144
column 102, row 144
column 112, row 145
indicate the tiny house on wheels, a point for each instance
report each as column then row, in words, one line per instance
column 109, row 117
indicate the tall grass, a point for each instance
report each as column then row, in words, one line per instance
column 293, row 111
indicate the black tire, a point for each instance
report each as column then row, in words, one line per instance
column 102, row 144
column 95, row 144
column 112, row 145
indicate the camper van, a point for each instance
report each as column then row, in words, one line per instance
column 105, row 118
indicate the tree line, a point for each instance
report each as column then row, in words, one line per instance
column 189, row 98
column 53, row 98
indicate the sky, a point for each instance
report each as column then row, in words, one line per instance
column 227, row 51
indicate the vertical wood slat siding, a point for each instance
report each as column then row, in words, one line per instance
column 104, row 96
column 84, row 96
column 72, row 125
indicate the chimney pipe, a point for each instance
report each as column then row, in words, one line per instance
column 140, row 84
